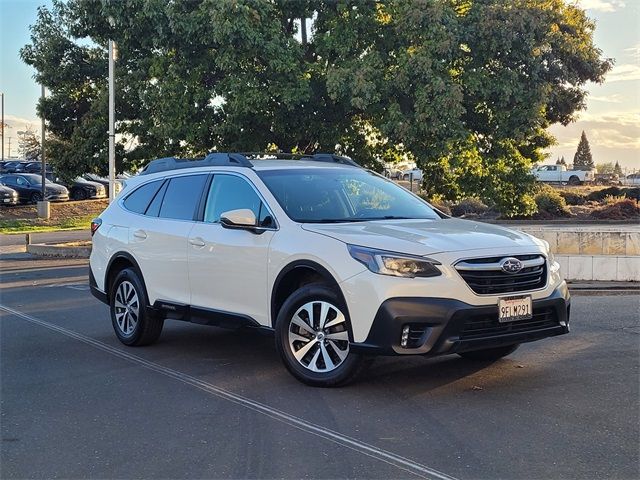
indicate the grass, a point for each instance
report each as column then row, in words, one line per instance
column 38, row 225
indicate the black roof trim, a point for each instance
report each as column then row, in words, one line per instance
column 237, row 160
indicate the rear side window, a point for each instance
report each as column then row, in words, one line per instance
column 139, row 200
column 182, row 197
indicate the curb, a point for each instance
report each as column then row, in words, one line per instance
column 60, row 251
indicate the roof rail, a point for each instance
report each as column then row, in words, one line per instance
column 316, row 157
column 237, row 160
column 211, row 160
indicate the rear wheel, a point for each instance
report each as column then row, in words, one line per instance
column 130, row 317
column 574, row 180
column 312, row 337
column 490, row 353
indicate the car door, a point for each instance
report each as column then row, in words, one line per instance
column 159, row 238
column 228, row 267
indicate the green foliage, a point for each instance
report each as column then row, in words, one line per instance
column 550, row 204
column 573, row 198
column 29, row 145
column 617, row 169
column 465, row 89
column 469, row 206
column 606, row 168
column 583, row 158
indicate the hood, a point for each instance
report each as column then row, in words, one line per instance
column 424, row 237
column 54, row 187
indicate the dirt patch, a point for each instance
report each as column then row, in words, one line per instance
column 59, row 211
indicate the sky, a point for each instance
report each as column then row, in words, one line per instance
column 611, row 121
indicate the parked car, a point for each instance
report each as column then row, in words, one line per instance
column 82, row 189
column 414, row 173
column 14, row 166
column 104, row 182
column 559, row 174
column 8, row 196
column 36, row 167
column 306, row 249
column 392, row 173
column 29, row 188
column 632, row 179
column 607, row 179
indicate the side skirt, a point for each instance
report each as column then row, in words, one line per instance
column 205, row 316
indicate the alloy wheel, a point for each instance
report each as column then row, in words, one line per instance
column 127, row 308
column 318, row 336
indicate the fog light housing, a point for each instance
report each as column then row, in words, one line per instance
column 405, row 336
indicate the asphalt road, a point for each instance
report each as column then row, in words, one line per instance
column 210, row 403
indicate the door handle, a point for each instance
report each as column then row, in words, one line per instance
column 141, row 234
column 197, row 242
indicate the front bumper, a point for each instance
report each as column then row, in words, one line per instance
column 440, row 326
column 13, row 200
column 57, row 197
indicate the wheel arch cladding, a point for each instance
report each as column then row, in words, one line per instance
column 295, row 275
column 120, row 261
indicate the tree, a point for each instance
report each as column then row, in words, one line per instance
column 606, row 168
column 466, row 89
column 617, row 169
column 29, row 146
column 583, row 159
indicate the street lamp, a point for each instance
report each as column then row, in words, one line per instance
column 113, row 52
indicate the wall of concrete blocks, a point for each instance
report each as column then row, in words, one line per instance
column 596, row 253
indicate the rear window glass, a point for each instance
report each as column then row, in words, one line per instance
column 139, row 200
column 182, row 196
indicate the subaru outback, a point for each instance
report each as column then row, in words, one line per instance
column 338, row 262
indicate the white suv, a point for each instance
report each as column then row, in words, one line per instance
column 340, row 262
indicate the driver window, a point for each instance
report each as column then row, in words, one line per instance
column 229, row 192
column 21, row 181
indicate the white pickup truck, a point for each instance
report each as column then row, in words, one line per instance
column 560, row 174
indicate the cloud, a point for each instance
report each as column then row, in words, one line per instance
column 602, row 5
column 624, row 72
column 633, row 52
column 609, row 130
column 615, row 98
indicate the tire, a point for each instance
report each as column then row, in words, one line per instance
column 325, row 361
column 35, row 197
column 131, row 319
column 490, row 353
column 406, row 178
column 79, row 194
column 573, row 180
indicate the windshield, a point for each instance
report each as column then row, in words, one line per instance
column 342, row 195
column 36, row 179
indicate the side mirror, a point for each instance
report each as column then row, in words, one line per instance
column 242, row 218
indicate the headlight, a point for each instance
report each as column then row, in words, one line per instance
column 395, row 264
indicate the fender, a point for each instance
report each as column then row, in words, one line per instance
column 309, row 264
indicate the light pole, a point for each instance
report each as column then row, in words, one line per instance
column 2, row 124
column 113, row 52
column 44, row 209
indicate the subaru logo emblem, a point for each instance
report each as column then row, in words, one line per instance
column 511, row 265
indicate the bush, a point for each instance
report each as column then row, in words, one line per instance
column 633, row 193
column 442, row 206
column 622, row 210
column 573, row 198
column 551, row 204
column 600, row 195
column 469, row 206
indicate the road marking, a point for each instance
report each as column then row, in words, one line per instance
column 352, row 443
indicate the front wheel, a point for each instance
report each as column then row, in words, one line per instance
column 490, row 353
column 312, row 337
column 130, row 317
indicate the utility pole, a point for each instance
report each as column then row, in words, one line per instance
column 112, row 121
column 44, row 209
column 9, row 153
column 2, row 125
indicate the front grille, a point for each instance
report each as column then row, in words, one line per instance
column 488, row 326
column 486, row 277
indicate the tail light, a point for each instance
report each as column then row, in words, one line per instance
column 95, row 224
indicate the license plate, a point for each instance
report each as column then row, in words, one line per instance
column 512, row 309
column 6, row 200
